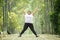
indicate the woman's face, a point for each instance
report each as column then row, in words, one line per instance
column 29, row 12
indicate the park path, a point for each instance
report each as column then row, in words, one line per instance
column 31, row 37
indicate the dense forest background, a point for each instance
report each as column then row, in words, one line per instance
column 47, row 19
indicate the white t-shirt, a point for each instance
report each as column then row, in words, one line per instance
column 28, row 18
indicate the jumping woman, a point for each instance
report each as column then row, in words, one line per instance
column 29, row 22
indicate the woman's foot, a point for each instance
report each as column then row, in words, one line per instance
column 36, row 36
column 19, row 36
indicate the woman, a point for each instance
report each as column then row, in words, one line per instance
column 29, row 22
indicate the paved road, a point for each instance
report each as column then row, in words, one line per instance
column 31, row 37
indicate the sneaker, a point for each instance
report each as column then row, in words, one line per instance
column 19, row 36
column 36, row 36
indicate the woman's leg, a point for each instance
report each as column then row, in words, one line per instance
column 32, row 29
column 24, row 29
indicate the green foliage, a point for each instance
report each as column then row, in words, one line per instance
column 1, row 16
column 55, row 17
column 13, row 22
column 15, row 17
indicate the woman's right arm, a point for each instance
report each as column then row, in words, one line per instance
column 23, row 11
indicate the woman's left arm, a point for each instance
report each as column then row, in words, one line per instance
column 36, row 10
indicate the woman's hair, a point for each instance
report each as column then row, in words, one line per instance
column 29, row 11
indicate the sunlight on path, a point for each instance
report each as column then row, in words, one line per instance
column 31, row 37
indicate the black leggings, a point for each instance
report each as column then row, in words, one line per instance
column 30, row 25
